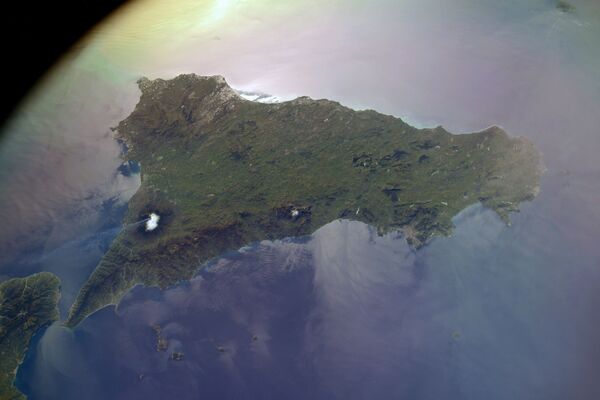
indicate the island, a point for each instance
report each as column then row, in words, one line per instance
column 26, row 306
column 162, row 343
column 219, row 172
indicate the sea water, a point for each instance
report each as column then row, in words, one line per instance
column 491, row 312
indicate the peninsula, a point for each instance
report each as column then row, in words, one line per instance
column 220, row 172
column 26, row 305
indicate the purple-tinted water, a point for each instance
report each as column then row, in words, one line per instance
column 492, row 312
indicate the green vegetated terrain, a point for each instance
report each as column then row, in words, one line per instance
column 223, row 172
column 26, row 305
column 565, row 6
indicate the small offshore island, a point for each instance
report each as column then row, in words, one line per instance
column 222, row 172
column 26, row 305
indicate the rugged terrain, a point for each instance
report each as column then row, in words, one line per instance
column 223, row 172
column 26, row 305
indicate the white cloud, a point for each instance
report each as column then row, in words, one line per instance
column 152, row 222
